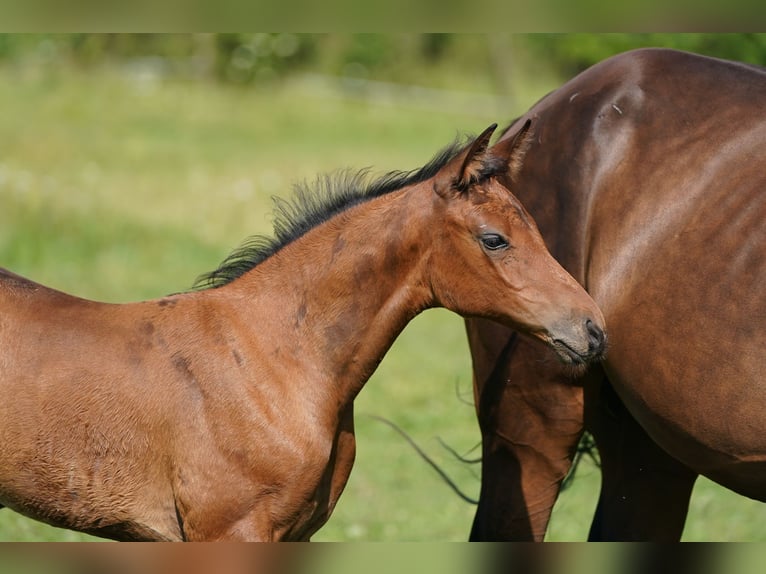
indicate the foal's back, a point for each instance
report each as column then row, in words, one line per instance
column 80, row 369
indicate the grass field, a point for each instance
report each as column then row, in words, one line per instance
column 121, row 187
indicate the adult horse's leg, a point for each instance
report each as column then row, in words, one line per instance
column 531, row 420
column 644, row 491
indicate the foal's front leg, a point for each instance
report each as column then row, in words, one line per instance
column 338, row 470
column 345, row 453
column 258, row 526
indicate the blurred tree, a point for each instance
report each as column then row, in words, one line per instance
column 244, row 58
column 434, row 46
column 463, row 61
column 572, row 53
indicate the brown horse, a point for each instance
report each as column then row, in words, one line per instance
column 226, row 412
column 647, row 179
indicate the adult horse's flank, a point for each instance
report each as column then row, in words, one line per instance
column 226, row 412
column 647, row 178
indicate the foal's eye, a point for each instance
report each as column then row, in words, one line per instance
column 493, row 241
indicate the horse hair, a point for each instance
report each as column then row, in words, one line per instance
column 329, row 196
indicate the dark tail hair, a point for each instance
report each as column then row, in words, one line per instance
column 444, row 476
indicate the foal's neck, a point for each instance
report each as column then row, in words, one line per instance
column 346, row 289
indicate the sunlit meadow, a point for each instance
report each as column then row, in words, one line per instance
column 120, row 185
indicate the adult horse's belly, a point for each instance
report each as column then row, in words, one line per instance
column 703, row 404
column 683, row 290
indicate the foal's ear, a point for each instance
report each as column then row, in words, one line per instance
column 466, row 167
column 512, row 150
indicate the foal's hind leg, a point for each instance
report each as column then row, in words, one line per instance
column 644, row 491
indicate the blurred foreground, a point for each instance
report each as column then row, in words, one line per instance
column 382, row 559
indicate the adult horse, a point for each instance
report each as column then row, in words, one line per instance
column 226, row 412
column 648, row 183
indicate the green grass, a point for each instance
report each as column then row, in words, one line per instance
column 715, row 513
column 120, row 190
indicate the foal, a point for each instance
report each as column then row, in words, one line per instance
column 226, row 413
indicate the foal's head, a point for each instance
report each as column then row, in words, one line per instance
column 489, row 260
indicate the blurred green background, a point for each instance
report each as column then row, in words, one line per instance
column 130, row 164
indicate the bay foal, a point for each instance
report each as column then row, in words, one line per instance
column 226, row 413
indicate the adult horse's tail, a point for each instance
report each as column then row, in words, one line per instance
column 431, row 462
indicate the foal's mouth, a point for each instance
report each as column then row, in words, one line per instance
column 571, row 356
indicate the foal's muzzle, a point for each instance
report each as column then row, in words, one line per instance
column 586, row 346
column 596, row 340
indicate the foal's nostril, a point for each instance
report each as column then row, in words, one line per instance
column 596, row 338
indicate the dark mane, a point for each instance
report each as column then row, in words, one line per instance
column 311, row 206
